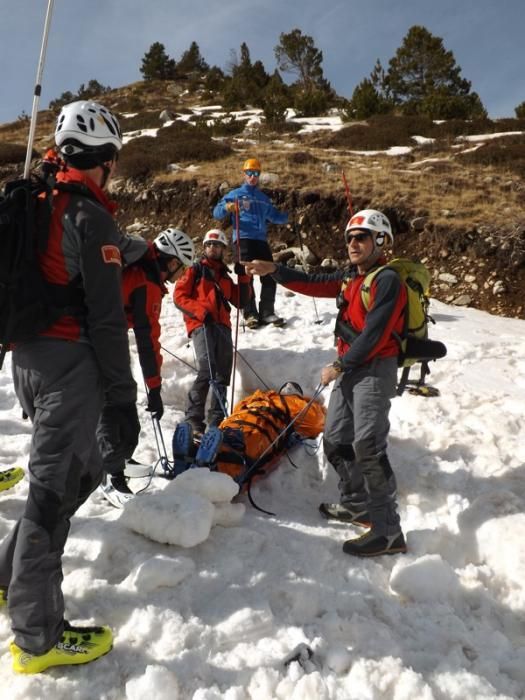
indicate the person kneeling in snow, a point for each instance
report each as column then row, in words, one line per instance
column 204, row 294
column 365, row 375
column 143, row 288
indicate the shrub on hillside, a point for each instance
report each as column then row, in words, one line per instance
column 381, row 132
column 301, row 158
column 506, row 153
column 142, row 120
column 285, row 127
column 14, row 153
column 226, row 125
column 173, row 144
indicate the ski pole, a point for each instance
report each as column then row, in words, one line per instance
column 38, row 88
column 298, row 236
column 348, row 194
column 238, row 247
column 167, row 466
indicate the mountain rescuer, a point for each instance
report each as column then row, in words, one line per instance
column 144, row 286
column 205, row 294
column 364, row 376
column 63, row 378
column 255, row 211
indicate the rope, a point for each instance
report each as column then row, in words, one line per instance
column 179, row 358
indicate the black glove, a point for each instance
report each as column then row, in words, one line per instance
column 208, row 319
column 122, row 428
column 239, row 269
column 155, row 405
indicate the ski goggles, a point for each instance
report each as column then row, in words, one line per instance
column 359, row 237
column 252, row 173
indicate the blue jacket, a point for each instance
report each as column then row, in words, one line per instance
column 255, row 209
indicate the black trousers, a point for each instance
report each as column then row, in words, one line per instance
column 252, row 249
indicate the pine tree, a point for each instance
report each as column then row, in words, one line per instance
column 157, row 65
column 297, row 54
column 214, row 80
column 424, row 79
column 366, row 101
column 92, row 89
column 520, row 110
column 192, row 61
column 276, row 100
column 247, row 80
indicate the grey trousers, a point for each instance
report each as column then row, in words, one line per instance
column 59, row 386
column 355, row 441
column 217, row 339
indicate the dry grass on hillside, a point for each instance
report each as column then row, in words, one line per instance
column 451, row 182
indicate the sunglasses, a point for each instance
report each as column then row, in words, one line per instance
column 252, row 173
column 214, row 243
column 359, row 237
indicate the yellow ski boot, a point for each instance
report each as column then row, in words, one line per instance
column 78, row 645
column 10, row 477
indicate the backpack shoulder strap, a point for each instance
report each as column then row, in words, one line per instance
column 367, row 284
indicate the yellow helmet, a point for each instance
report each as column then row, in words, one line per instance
column 251, row 164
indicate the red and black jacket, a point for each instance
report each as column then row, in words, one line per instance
column 143, row 292
column 206, row 288
column 83, row 253
column 377, row 329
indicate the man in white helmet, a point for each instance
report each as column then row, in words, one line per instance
column 365, row 376
column 62, row 379
column 144, row 286
column 205, row 294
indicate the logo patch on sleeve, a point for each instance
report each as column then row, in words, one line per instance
column 111, row 254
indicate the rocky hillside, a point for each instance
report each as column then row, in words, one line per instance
column 455, row 192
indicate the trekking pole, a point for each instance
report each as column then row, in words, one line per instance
column 238, row 246
column 179, row 358
column 163, row 460
column 348, row 194
column 298, row 236
column 38, row 88
column 213, row 381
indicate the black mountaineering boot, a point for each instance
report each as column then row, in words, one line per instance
column 372, row 545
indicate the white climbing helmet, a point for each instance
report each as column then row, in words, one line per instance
column 174, row 243
column 215, row 235
column 88, row 124
column 374, row 221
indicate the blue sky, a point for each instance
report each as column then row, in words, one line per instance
column 106, row 39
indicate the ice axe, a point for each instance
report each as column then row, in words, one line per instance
column 38, row 88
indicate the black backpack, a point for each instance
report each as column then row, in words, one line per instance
column 29, row 304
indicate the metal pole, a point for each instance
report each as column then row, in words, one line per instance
column 38, row 88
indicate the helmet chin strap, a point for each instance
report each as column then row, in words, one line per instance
column 105, row 174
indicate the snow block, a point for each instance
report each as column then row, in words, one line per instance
column 182, row 517
column 159, row 571
column 156, row 682
column 215, row 486
column 424, row 580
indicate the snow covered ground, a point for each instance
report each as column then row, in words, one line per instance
column 216, row 616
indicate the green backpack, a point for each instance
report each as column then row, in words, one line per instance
column 414, row 342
